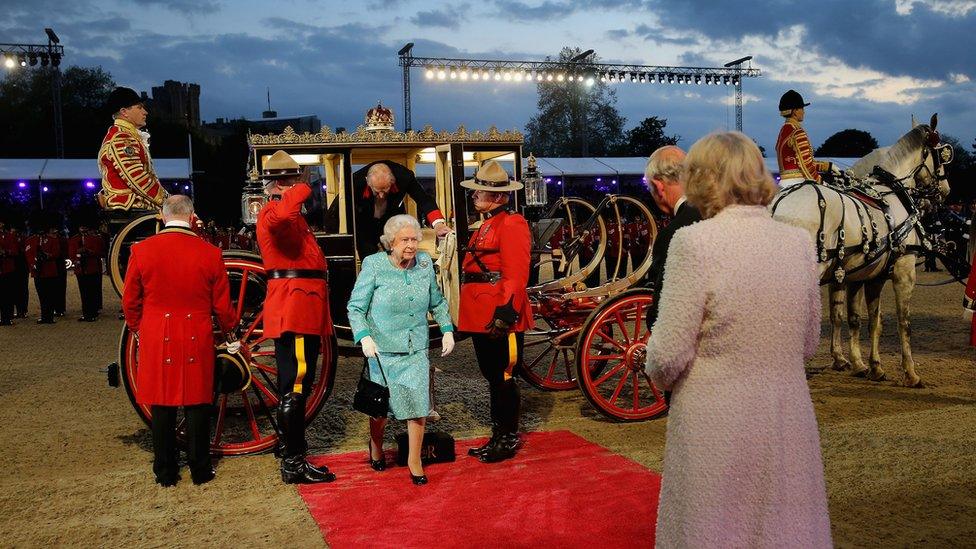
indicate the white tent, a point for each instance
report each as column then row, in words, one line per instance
column 74, row 169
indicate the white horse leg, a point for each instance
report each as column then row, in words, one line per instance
column 872, row 293
column 838, row 302
column 855, row 294
column 903, row 277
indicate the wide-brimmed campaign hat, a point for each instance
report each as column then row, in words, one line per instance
column 280, row 165
column 491, row 176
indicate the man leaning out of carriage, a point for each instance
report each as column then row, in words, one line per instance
column 388, row 315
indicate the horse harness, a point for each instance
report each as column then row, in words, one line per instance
column 863, row 200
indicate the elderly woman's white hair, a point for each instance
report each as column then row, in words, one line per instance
column 395, row 224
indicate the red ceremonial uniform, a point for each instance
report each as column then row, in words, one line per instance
column 173, row 283
column 969, row 301
column 297, row 305
column 44, row 255
column 128, row 178
column 795, row 156
column 9, row 250
column 502, row 244
column 86, row 252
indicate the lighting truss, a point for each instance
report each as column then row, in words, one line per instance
column 448, row 69
column 14, row 55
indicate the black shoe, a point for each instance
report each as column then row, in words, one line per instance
column 167, row 481
column 86, row 319
column 419, row 480
column 295, row 470
column 504, row 447
column 59, row 313
column 43, row 321
column 376, row 464
column 6, row 323
column 204, row 477
column 479, row 450
column 21, row 315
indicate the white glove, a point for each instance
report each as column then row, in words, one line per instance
column 369, row 347
column 967, row 315
column 234, row 347
column 447, row 343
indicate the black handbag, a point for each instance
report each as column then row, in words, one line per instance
column 436, row 448
column 371, row 398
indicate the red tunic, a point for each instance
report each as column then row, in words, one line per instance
column 86, row 252
column 794, row 154
column 174, row 281
column 9, row 250
column 297, row 305
column 44, row 255
column 507, row 242
column 128, row 178
column 969, row 301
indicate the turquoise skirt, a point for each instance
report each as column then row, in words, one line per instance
column 408, row 378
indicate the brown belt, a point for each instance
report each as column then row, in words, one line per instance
column 490, row 277
column 299, row 273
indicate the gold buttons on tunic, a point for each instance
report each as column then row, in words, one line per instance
column 169, row 360
column 166, row 315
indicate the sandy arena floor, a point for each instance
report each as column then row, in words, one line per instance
column 900, row 463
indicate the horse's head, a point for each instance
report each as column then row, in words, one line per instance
column 929, row 175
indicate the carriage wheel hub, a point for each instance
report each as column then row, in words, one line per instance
column 636, row 356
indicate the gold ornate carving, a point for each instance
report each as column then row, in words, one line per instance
column 363, row 136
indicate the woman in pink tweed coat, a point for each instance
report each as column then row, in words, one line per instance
column 739, row 315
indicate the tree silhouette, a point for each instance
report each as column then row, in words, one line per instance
column 848, row 143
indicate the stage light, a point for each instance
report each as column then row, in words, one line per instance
column 641, row 78
column 44, row 59
column 519, row 76
column 660, row 78
column 599, row 180
column 735, row 80
column 32, row 58
column 589, row 81
column 560, row 77
column 725, row 80
column 441, row 74
column 538, row 77
column 498, row 76
column 453, row 74
column 484, row 74
column 549, row 78
column 697, row 79
column 22, row 184
column 633, row 77
column 44, row 189
column 603, row 78
column 475, row 75
column 22, row 60
column 55, row 59
column 463, row 75
column 429, row 73
column 90, row 184
column 9, row 62
column 186, row 187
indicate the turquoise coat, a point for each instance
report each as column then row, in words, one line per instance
column 391, row 304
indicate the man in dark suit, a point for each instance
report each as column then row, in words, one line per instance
column 661, row 173
column 379, row 190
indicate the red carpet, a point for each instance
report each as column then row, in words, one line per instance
column 560, row 490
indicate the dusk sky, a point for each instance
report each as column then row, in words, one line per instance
column 865, row 64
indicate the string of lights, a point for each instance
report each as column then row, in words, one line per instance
column 577, row 70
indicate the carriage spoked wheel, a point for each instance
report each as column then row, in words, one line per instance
column 610, row 355
column 244, row 422
column 136, row 230
column 549, row 357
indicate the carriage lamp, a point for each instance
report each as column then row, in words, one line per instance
column 252, row 198
column 535, row 187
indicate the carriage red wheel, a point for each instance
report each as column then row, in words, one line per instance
column 244, row 422
column 610, row 359
column 549, row 358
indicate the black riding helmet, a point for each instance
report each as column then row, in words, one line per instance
column 791, row 100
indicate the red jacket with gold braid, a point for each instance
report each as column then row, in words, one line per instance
column 86, row 252
column 9, row 250
column 297, row 305
column 128, row 178
column 45, row 255
column 503, row 245
column 174, row 282
column 795, row 155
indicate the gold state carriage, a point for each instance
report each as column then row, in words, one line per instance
column 587, row 337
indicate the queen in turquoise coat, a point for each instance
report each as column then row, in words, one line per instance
column 388, row 315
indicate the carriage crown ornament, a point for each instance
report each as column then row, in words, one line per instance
column 379, row 119
column 535, row 186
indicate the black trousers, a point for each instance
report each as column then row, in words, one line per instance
column 165, row 464
column 47, row 289
column 60, row 295
column 21, row 289
column 7, row 297
column 500, row 359
column 90, row 288
column 296, row 356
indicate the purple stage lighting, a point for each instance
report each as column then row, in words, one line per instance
column 90, row 184
column 22, row 184
column 44, row 189
column 186, row 187
column 599, row 180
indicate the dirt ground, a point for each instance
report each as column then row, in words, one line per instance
column 900, row 463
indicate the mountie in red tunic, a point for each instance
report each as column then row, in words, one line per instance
column 86, row 252
column 503, row 245
column 174, row 281
column 795, row 156
column 45, row 255
column 297, row 305
column 128, row 178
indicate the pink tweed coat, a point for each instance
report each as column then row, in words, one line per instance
column 739, row 315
